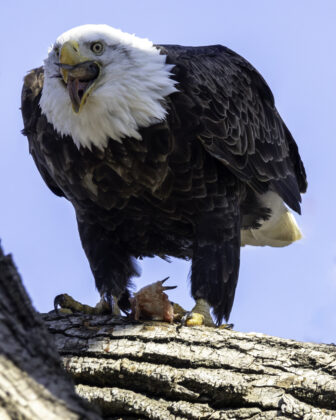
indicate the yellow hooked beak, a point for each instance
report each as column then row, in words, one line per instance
column 78, row 72
column 70, row 56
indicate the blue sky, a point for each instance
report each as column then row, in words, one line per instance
column 289, row 292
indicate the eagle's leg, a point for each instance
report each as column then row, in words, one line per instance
column 111, row 264
column 215, row 263
column 112, row 267
column 109, row 305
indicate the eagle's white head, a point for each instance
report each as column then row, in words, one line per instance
column 103, row 83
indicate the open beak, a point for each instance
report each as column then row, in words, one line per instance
column 79, row 74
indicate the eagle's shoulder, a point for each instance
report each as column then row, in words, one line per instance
column 35, row 124
column 237, row 122
column 30, row 97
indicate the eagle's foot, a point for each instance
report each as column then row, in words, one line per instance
column 69, row 305
column 226, row 326
column 200, row 315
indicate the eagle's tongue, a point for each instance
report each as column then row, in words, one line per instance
column 76, row 89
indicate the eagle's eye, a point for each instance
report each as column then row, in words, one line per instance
column 56, row 50
column 97, row 48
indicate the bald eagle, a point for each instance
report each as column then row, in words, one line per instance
column 163, row 150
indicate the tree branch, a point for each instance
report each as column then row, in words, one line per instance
column 159, row 371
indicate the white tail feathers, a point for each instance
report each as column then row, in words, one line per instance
column 278, row 232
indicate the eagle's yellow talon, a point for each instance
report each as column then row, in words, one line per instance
column 65, row 311
column 226, row 327
column 69, row 305
column 66, row 304
column 200, row 315
column 195, row 319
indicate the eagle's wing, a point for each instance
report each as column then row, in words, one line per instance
column 231, row 108
column 31, row 113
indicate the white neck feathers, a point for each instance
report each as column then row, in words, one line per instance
column 129, row 94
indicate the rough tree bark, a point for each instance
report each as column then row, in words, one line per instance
column 156, row 370
column 160, row 371
column 33, row 384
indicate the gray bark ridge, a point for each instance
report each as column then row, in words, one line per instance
column 33, row 384
column 160, row 371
